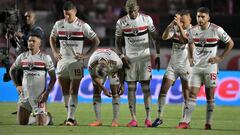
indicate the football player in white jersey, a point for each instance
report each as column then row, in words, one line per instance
column 69, row 33
column 33, row 92
column 178, row 65
column 137, row 31
column 103, row 64
column 203, row 39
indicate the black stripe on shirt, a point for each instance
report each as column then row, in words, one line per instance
column 70, row 38
column 35, row 68
column 137, row 34
column 206, row 45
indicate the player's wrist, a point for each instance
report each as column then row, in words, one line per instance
column 122, row 56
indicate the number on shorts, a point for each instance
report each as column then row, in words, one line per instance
column 213, row 76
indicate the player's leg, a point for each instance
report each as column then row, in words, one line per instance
column 23, row 115
column 97, row 105
column 147, row 102
column 166, row 84
column 195, row 83
column 210, row 85
column 185, row 93
column 115, row 104
column 73, row 101
column 132, row 103
column 64, row 84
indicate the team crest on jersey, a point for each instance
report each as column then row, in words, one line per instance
column 68, row 34
column 202, row 41
column 135, row 31
column 30, row 65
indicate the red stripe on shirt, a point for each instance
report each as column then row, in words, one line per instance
column 35, row 63
column 131, row 29
column 76, row 33
column 207, row 40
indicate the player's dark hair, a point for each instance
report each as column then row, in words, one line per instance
column 68, row 5
column 36, row 34
column 203, row 10
column 184, row 12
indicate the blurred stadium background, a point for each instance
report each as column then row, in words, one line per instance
column 102, row 16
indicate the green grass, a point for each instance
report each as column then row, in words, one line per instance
column 226, row 121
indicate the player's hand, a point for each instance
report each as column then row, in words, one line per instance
column 80, row 56
column 126, row 62
column 215, row 60
column 57, row 56
column 191, row 61
column 19, row 34
column 121, row 89
column 157, row 63
column 20, row 90
column 107, row 93
column 177, row 20
column 43, row 97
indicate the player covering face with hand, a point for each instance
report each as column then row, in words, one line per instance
column 105, row 64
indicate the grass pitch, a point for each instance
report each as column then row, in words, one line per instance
column 226, row 121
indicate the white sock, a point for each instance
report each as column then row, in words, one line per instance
column 161, row 103
column 189, row 110
column 147, row 101
column 132, row 100
column 116, row 105
column 66, row 100
column 209, row 111
column 72, row 106
column 97, row 107
column 184, row 105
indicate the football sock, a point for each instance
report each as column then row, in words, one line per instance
column 132, row 100
column 147, row 100
column 97, row 106
column 66, row 100
column 209, row 111
column 184, row 105
column 189, row 110
column 161, row 103
column 116, row 105
column 72, row 106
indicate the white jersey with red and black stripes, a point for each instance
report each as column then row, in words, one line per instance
column 179, row 53
column 136, row 34
column 206, row 42
column 114, row 61
column 71, row 36
column 35, row 69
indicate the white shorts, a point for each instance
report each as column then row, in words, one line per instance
column 207, row 76
column 173, row 74
column 69, row 69
column 140, row 70
column 113, row 78
column 32, row 106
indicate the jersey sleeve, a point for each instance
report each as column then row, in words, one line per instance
column 190, row 36
column 88, row 32
column 49, row 64
column 151, row 26
column 223, row 36
column 17, row 63
column 54, row 30
column 118, row 31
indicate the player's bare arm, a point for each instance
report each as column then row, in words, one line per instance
column 95, row 43
column 118, row 43
column 44, row 95
column 165, row 35
column 156, row 43
column 218, row 59
column 190, row 54
column 55, row 50
column 100, row 85
column 183, row 37
column 13, row 76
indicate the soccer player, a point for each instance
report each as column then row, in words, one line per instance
column 178, row 65
column 103, row 64
column 137, row 31
column 33, row 92
column 205, row 36
column 69, row 34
